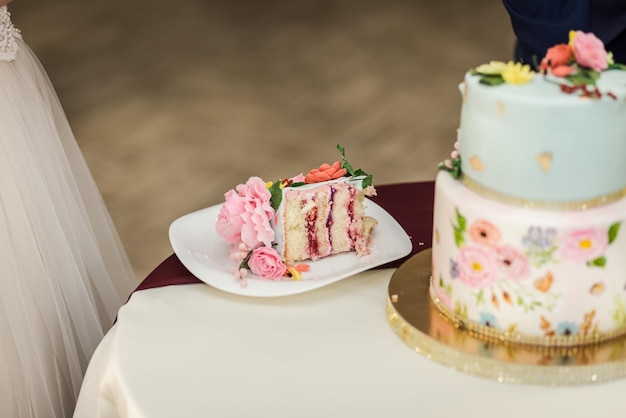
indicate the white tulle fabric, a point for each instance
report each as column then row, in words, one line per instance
column 63, row 270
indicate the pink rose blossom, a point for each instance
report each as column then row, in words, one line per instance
column 229, row 222
column 585, row 244
column 477, row 266
column 512, row 262
column 589, row 51
column 265, row 262
column 484, row 233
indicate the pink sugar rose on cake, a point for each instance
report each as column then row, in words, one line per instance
column 584, row 244
column 477, row 266
column 266, row 263
column 229, row 220
column 589, row 51
column 245, row 215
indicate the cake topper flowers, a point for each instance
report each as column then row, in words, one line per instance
column 495, row 73
column 579, row 63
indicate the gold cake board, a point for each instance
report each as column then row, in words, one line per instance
column 416, row 320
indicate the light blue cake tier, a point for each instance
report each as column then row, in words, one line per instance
column 535, row 142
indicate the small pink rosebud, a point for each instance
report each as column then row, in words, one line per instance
column 447, row 163
column 454, row 154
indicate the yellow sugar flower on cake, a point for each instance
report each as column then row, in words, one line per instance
column 516, row 73
column 491, row 68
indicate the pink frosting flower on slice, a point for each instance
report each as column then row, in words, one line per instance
column 512, row 262
column 484, row 233
column 589, row 51
column 477, row 266
column 257, row 213
column 265, row 262
column 245, row 215
column 229, row 222
column 585, row 244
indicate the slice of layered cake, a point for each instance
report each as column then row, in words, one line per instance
column 322, row 219
column 271, row 226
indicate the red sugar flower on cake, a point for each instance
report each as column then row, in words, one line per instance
column 485, row 233
column 325, row 172
column 557, row 61
column 477, row 266
column 265, row 262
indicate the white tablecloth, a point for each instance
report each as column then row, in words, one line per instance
column 194, row 351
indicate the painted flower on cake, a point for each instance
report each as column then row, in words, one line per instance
column 585, row 245
column 265, row 262
column 567, row 328
column 477, row 266
column 485, row 233
column 540, row 244
column 512, row 262
column 487, row 319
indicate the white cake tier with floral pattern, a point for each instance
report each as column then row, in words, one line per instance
column 529, row 275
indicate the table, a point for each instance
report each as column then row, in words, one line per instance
column 181, row 348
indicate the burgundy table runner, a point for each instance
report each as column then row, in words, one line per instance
column 411, row 204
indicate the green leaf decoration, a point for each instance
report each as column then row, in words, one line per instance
column 613, row 230
column 367, row 181
column 344, row 162
column 491, row 80
column 459, row 239
column 277, row 194
column 460, row 220
column 617, row 66
column 584, row 77
column 244, row 263
column 598, row 262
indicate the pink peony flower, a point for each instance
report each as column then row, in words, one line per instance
column 484, row 233
column 229, row 222
column 265, row 262
column 585, row 244
column 589, row 51
column 245, row 215
column 512, row 262
column 477, row 266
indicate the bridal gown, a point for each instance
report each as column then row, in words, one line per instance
column 63, row 270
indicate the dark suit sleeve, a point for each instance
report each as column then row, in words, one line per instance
column 540, row 24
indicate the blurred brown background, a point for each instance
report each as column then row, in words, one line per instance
column 173, row 103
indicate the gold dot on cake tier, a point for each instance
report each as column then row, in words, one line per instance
column 416, row 320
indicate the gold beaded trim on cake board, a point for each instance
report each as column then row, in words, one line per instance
column 573, row 205
column 491, row 334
